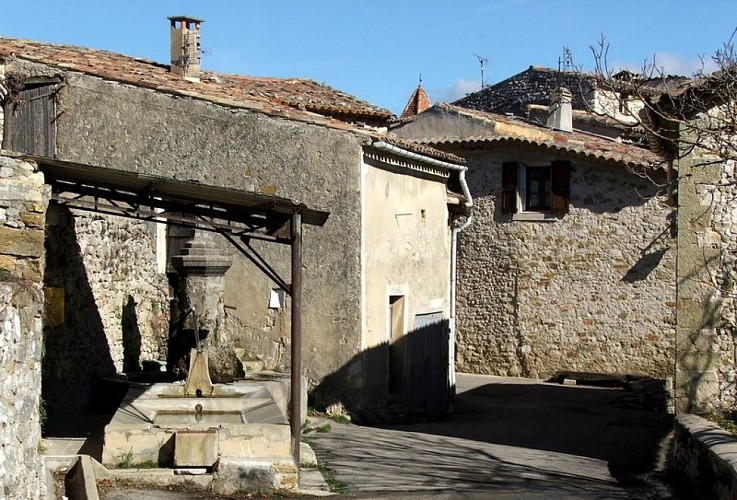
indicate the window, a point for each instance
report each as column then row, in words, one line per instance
column 535, row 187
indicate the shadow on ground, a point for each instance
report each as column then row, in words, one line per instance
column 604, row 424
column 508, row 438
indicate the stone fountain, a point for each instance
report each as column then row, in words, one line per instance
column 238, row 432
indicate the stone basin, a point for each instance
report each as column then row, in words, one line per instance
column 253, row 401
column 241, row 421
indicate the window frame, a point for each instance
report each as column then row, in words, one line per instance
column 515, row 196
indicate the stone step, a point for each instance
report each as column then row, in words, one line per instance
column 249, row 365
column 252, row 366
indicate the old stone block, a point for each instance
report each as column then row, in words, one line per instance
column 34, row 220
column 32, row 270
column 23, row 190
column 22, row 242
column 144, row 444
column 234, row 475
column 37, row 207
column 195, row 448
column 8, row 263
column 258, row 442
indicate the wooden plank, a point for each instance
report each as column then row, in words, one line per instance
column 29, row 122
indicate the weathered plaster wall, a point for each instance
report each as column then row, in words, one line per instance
column 407, row 248
column 113, row 304
column 707, row 272
column 142, row 131
column 23, row 201
column 593, row 291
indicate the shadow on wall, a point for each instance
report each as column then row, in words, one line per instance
column 697, row 357
column 131, row 337
column 406, row 380
column 76, row 351
column 653, row 253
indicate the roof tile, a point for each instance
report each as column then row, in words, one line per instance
column 291, row 96
column 528, row 133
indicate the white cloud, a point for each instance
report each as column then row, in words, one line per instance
column 670, row 64
column 459, row 89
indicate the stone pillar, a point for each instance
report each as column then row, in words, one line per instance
column 699, row 352
column 23, row 201
column 201, row 269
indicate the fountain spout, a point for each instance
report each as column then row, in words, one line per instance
column 198, row 382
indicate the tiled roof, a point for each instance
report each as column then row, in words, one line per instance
column 506, row 129
column 297, row 98
column 424, row 149
column 535, row 85
column 418, row 102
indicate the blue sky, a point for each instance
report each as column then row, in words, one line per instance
column 377, row 49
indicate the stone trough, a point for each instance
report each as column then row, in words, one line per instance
column 238, row 431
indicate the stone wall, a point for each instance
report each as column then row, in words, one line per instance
column 23, row 201
column 706, row 377
column 139, row 130
column 724, row 223
column 703, row 458
column 112, row 305
column 592, row 291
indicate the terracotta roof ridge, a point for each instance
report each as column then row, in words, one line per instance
column 479, row 113
column 79, row 48
column 418, row 102
column 269, row 95
column 622, row 153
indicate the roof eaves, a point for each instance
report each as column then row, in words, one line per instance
column 422, row 148
column 622, row 154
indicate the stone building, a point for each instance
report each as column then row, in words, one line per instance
column 695, row 343
column 569, row 264
column 376, row 275
column 599, row 106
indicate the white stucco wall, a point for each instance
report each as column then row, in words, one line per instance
column 405, row 248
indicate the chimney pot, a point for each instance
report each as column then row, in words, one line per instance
column 560, row 111
column 185, row 47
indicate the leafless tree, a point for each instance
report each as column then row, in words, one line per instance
column 692, row 117
column 677, row 114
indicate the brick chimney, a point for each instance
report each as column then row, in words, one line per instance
column 560, row 111
column 185, row 47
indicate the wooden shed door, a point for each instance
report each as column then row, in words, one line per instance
column 30, row 121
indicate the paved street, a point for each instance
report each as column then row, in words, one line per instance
column 514, row 438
